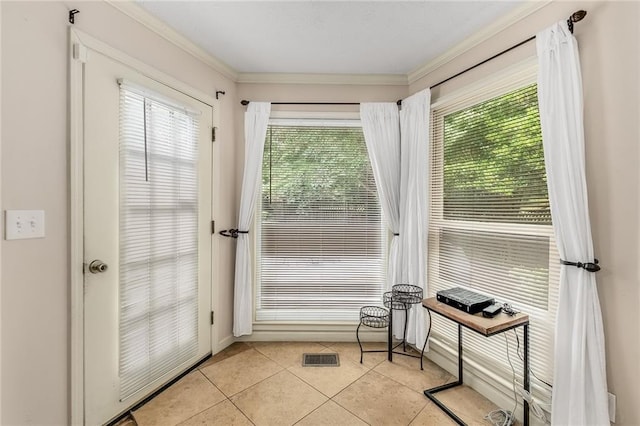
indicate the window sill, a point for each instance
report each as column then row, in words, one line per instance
column 312, row 332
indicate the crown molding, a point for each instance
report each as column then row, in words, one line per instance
column 137, row 13
column 131, row 9
column 302, row 78
column 486, row 33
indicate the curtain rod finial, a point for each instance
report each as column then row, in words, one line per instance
column 578, row 16
column 244, row 102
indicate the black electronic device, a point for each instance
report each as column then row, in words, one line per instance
column 465, row 300
column 492, row 311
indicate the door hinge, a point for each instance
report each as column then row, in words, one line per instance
column 213, row 227
column 212, row 317
column 213, row 134
column 79, row 52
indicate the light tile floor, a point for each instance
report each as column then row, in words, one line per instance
column 265, row 384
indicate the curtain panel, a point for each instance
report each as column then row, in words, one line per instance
column 414, row 210
column 256, row 120
column 580, row 384
column 381, row 128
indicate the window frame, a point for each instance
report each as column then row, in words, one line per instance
column 511, row 79
column 329, row 118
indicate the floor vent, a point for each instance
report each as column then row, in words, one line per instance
column 320, row 360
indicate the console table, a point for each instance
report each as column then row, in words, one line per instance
column 486, row 327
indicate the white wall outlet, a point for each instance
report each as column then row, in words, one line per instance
column 612, row 408
column 22, row 224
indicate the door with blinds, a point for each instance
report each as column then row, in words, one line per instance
column 147, row 215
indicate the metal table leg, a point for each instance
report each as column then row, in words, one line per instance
column 390, row 334
column 429, row 392
column 526, row 372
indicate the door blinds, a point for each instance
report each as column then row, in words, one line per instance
column 158, row 238
column 320, row 233
column 490, row 228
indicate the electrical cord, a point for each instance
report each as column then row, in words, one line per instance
column 533, row 405
column 526, row 395
column 522, row 359
column 509, row 310
column 502, row 417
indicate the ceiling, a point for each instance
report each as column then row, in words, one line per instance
column 327, row 37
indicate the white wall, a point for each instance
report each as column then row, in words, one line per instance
column 35, row 307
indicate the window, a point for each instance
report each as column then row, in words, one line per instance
column 158, row 238
column 320, row 249
column 490, row 228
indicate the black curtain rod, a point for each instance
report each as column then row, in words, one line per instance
column 245, row 103
column 575, row 17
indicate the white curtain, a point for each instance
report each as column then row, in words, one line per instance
column 256, row 120
column 580, row 384
column 414, row 180
column 381, row 128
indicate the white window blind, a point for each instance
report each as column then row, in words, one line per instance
column 490, row 228
column 158, row 238
column 321, row 239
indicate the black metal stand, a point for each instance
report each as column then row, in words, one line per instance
column 375, row 317
column 401, row 298
column 429, row 393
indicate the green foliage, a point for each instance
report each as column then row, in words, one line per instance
column 494, row 161
column 319, row 171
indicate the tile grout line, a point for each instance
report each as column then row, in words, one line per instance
column 197, row 414
column 228, row 398
column 392, row 378
column 330, row 397
column 262, row 380
column 241, row 412
column 346, row 409
column 213, row 405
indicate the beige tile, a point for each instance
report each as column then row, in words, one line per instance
column 468, row 404
column 127, row 421
column 187, row 397
column 432, row 415
column 330, row 380
column 330, row 414
column 228, row 352
column 406, row 370
column 351, row 351
column 282, row 399
column 287, row 354
column 237, row 373
column 222, row 414
column 379, row 400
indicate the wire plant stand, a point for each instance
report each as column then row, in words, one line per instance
column 401, row 298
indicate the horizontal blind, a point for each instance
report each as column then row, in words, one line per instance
column 321, row 236
column 491, row 229
column 158, row 239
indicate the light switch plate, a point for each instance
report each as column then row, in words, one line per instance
column 23, row 224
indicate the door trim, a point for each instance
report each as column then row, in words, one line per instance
column 80, row 47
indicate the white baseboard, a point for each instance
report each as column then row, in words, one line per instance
column 226, row 342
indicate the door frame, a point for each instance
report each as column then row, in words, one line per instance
column 80, row 47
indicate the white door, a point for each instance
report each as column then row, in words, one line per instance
column 147, row 217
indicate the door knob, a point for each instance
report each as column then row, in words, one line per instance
column 98, row 266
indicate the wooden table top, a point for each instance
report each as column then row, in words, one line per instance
column 485, row 326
